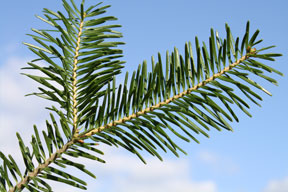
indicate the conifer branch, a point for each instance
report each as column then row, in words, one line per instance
column 167, row 101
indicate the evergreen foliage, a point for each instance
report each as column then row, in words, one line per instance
column 183, row 95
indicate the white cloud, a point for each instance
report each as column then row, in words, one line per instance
column 172, row 185
column 17, row 113
column 126, row 173
column 280, row 185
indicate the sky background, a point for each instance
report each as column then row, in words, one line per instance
column 253, row 158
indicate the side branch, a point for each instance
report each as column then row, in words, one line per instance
column 36, row 171
column 226, row 69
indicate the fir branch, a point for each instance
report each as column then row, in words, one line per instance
column 167, row 101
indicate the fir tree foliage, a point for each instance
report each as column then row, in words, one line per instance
column 183, row 95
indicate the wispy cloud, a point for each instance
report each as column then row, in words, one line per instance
column 17, row 113
column 280, row 185
column 126, row 173
column 218, row 162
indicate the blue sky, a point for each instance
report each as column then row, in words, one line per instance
column 251, row 159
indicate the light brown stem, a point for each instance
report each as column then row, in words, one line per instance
column 74, row 77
